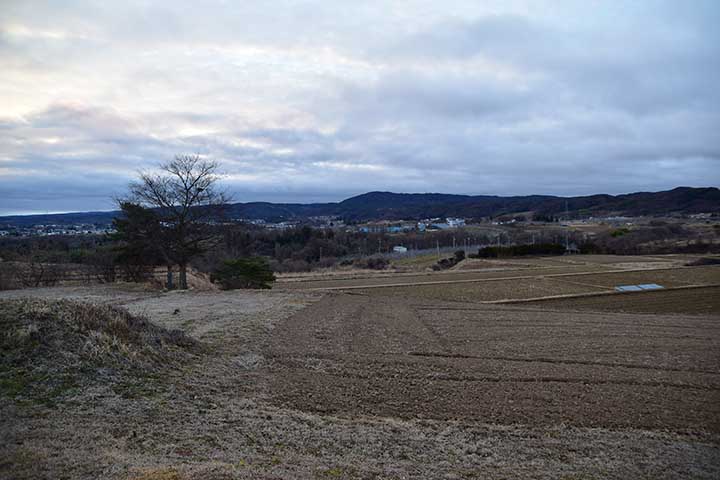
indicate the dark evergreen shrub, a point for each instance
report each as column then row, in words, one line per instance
column 249, row 272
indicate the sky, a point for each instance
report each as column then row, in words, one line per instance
column 303, row 101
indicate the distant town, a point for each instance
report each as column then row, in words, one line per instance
column 337, row 223
column 49, row 230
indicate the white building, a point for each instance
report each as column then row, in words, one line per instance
column 455, row 222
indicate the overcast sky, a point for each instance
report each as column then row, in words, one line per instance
column 320, row 100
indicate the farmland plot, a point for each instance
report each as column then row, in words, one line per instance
column 691, row 301
column 498, row 290
column 377, row 356
column 419, row 381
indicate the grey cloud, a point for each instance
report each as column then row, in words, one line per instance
column 318, row 101
column 409, row 93
column 643, row 65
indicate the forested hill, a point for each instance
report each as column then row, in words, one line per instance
column 396, row 206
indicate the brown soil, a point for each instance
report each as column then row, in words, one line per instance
column 497, row 290
column 488, row 264
column 666, row 277
column 359, row 355
column 304, row 385
column 445, row 277
column 692, row 301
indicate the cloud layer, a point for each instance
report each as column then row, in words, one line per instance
column 317, row 101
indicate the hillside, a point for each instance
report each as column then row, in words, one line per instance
column 396, row 206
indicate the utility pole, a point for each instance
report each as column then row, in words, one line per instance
column 437, row 244
column 567, row 213
column 567, row 227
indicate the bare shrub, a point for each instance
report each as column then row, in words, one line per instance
column 703, row 261
column 9, row 277
column 102, row 266
column 291, row 266
column 372, row 263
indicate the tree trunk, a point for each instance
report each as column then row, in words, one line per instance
column 169, row 285
column 183, row 276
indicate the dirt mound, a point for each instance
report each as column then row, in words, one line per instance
column 49, row 349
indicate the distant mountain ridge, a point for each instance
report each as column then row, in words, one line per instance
column 413, row 206
column 398, row 206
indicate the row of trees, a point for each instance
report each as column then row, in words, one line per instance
column 521, row 250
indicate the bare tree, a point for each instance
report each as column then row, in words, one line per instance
column 185, row 198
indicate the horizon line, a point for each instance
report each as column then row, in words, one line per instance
column 37, row 214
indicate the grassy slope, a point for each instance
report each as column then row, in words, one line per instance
column 51, row 348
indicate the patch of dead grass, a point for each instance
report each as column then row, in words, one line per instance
column 50, row 348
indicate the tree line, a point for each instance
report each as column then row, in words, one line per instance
column 174, row 218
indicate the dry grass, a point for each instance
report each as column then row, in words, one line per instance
column 419, row 262
column 489, row 263
column 159, row 474
column 484, row 291
column 52, row 348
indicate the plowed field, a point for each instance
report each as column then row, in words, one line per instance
column 362, row 355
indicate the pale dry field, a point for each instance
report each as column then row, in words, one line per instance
column 396, row 383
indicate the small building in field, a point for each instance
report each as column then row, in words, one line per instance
column 455, row 222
